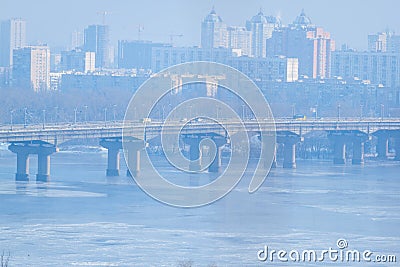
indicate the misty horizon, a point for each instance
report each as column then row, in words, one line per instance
column 348, row 23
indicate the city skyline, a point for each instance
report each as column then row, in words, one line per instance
column 47, row 25
column 301, row 48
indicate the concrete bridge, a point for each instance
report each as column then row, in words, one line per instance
column 43, row 140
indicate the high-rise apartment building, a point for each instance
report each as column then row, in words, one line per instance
column 136, row 54
column 303, row 40
column 214, row 31
column 261, row 28
column 97, row 39
column 12, row 36
column 376, row 67
column 31, row 68
column 164, row 57
column 277, row 68
column 258, row 69
column 384, row 42
column 377, row 42
column 393, row 44
column 76, row 40
column 78, row 61
column 239, row 39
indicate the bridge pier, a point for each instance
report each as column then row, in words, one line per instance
column 132, row 157
column 113, row 159
column 396, row 140
column 266, row 147
column 24, row 149
column 382, row 146
column 44, row 153
column 194, row 152
column 289, row 141
column 215, row 165
column 289, row 151
column 340, row 139
column 358, row 151
column 195, row 155
column 274, row 163
column 22, row 166
column 113, row 146
column 339, row 149
column 43, row 167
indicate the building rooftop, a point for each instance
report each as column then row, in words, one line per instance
column 302, row 19
column 212, row 17
column 261, row 18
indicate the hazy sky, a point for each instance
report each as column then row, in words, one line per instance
column 53, row 21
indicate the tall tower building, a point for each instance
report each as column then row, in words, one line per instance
column 76, row 40
column 12, row 36
column 384, row 42
column 261, row 28
column 240, row 38
column 377, row 42
column 214, row 32
column 97, row 39
column 31, row 68
column 303, row 40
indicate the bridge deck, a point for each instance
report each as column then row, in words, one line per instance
column 54, row 133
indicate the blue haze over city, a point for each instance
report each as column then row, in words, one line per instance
column 53, row 22
column 109, row 109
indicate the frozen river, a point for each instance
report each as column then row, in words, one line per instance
column 82, row 218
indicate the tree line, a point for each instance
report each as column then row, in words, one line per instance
column 19, row 106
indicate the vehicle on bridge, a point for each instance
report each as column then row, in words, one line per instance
column 146, row 120
column 299, row 117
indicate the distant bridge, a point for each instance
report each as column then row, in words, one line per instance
column 56, row 133
column 43, row 139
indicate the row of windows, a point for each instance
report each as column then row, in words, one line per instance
column 383, row 59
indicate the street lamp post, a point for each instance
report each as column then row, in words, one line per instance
column 293, row 110
column 86, row 107
column 361, row 111
column 382, row 111
column 316, row 112
column 56, row 115
column 105, row 116
column 114, row 113
column 44, row 118
column 75, row 110
column 25, row 114
column 11, row 119
column 338, row 112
